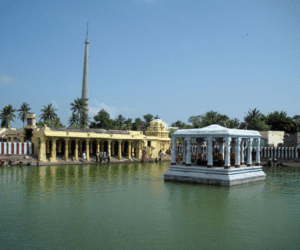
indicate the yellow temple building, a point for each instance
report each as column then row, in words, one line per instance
column 71, row 142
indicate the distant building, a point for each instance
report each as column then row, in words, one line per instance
column 272, row 138
column 292, row 140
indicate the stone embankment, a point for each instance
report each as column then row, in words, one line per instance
column 33, row 159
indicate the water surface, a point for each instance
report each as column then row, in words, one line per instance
column 130, row 207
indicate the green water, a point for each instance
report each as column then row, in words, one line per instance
column 130, row 207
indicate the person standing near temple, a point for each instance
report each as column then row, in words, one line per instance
column 160, row 155
column 84, row 156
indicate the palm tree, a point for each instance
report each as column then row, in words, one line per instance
column 84, row 120
column 120, row 120
column 73, row 121
column 128, row 124
column 7, row 115
column 79, row 107
column 48, row 113
column 23, row 111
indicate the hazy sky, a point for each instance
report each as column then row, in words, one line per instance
column 174, row 58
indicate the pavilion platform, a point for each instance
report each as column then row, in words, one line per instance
column 214, row 176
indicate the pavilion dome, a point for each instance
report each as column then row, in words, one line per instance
column 215, row 129
column 157, row 122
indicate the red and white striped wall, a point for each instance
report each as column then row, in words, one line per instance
column 16, row 148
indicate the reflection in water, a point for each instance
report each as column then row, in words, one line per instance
column 130, row 207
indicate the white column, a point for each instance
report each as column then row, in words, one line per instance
column 290, row 152
column 279, row 149
column 227, row 155
column 173, row 157
column 209, row 152
column 25, row 148
column 275, row 153
column 249, row 155
column 183, row 151
column 9, row 148
column 237, row 152
column 188, row 152
column 271, row 151
column 242, row 153
column 15, row 148
column 20, row 148
column 5, row 148
column 286, row 153
column 30, row 148
column 257, row 163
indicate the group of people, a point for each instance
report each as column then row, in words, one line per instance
column 99, row 157
column 10, row 163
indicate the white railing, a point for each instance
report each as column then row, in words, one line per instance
column 16, row 148
column 265, row 152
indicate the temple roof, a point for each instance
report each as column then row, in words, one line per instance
column 217, row 131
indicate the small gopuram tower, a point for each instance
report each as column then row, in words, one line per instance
column 157, row 128
column 85, row 93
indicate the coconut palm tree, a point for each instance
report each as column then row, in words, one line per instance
column 79, row 107
column 23, row 111
column 48, row 113
column 7, row 115
column 120, row 121
column 73, row 121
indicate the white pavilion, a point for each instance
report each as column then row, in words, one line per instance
column 227, row 138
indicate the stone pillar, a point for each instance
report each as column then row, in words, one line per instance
column 286, row 152
column 275, row 154
column 209, row 152
column 237, row 152
column 297, row 152
column 42, row 150
column 76, row 149
column 257, row 163
column 87, row 143
column 67, row 141
column 53, row 150
column 129, row 150
column 59, row 146
column 188, row 152
column 183, row 151
column 173, row 157
column 48, row 147
column 109, row 147
column 242, row 152
column 249, row 155
column 97, row 146
column 132, row 151
column 120, row 149
column 279, row 149
column 227, row 155
column 113, row 148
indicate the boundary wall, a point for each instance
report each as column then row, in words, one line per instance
column 16, row 148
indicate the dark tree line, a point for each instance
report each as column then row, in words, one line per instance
column 254, row 119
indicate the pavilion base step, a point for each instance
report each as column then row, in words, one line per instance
column 214, row 176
